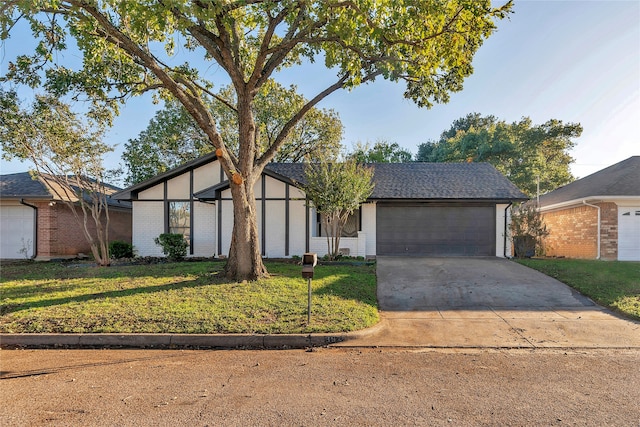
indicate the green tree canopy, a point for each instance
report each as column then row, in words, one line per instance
column 381, row 152
column 173, row 137
column 130, row 47
column 524, row 152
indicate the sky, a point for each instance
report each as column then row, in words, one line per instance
column 575, row 61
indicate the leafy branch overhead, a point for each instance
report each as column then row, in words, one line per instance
column 176, row 47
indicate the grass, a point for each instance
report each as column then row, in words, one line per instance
column 615, row 285
column 189, row 297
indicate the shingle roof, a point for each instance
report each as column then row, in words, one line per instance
column 22, row 185
column 621, row 179
column 441, row 181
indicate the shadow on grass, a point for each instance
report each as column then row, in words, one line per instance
column 43, row 303
column 357, row 287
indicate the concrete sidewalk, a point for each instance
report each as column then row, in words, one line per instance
column 559, row 328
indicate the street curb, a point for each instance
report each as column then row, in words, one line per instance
column 171, row 341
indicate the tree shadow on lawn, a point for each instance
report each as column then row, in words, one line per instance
column 42, row 303
column 349, row 287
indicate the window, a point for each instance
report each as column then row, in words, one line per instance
column 351, row 227
column 180, row 219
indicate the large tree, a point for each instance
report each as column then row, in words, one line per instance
column 381, row 152
column 526, row 153
column 173, row 137
column 131, row 46
column 68, row 155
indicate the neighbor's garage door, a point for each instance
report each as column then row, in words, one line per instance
column 435, row 230
column 629, row 233
column 16, row 231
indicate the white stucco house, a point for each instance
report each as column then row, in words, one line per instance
column 437, row 209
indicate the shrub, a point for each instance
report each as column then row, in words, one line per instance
column 174, row 246
column 528, row 229
column 119, row 249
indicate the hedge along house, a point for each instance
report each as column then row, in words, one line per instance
column 596, row 217
column 431, row 209
column 35, row 223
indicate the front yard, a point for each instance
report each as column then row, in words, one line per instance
column 188, row 297
column 615, row 285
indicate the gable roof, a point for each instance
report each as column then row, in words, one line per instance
column 23, row 186
column 619, row 180
column 428, row 181
column 412, row 181
column 129, row 192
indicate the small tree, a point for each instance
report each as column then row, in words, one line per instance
column 528, row 229
column 66, row 155
column 337, row 190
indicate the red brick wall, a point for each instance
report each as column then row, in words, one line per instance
column 573, row 232
column 60, row 234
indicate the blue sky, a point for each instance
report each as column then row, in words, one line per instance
column 576, row 61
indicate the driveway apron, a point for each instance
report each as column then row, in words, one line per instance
column 486, row 302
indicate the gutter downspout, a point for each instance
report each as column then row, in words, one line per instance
column 598, row 208
column 504, row 245
column 35, row 227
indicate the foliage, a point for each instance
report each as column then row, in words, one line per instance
column 173, row 137
column 337, row 190
column 429, row 45
column 190, row 298
column 614, row 284
column 381, row 152
column 528, row 229
column 522, row 151
column 67, row 157
column 119, row 249
column 174, row 245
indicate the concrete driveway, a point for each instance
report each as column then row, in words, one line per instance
column 486, row 302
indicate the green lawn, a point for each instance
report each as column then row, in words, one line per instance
column 612, row 284
column 189, row 297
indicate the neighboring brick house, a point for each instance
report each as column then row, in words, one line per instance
column 596, row 217
column 36, row 224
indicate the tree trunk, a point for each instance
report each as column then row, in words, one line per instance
column 245, row 258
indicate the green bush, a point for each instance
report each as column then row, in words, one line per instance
column 119, row 249
column 174, row 246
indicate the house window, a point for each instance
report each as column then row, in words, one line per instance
column 351, row 227
column 180, row 219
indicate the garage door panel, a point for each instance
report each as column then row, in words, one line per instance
column 16, row 232
column 629, row 233
column 435, row 230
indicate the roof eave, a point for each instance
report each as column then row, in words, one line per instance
column 590, row 199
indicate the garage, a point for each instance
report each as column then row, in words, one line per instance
column 17, row 231
column 436, row 229
column 629, row 233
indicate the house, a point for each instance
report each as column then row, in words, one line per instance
column 596, row 217
column 415, row 209
column 35, row 223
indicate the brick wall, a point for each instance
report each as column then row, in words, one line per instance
column 608, row 231
column 573, row 232
column 60, row 234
